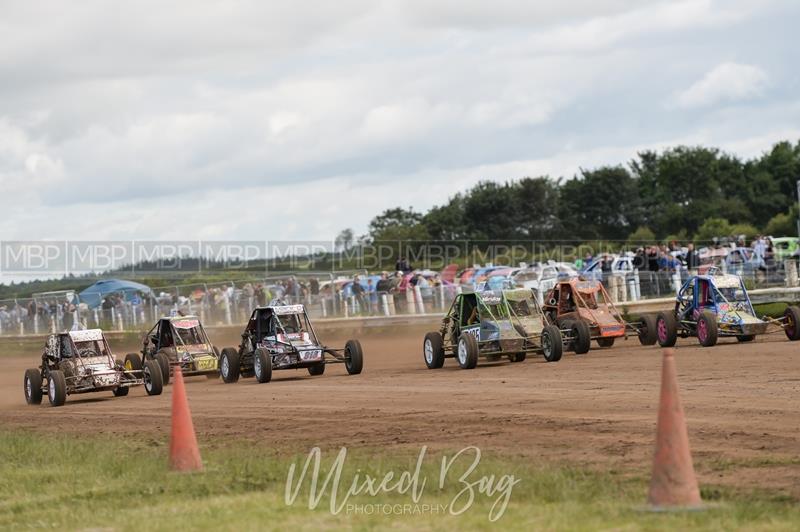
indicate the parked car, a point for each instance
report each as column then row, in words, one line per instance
column 785, row 247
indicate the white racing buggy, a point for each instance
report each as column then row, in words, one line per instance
column 281, row 337
column 81, row 362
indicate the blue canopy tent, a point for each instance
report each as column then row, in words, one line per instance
column 93, row 296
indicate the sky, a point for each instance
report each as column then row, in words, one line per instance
column 254, row 120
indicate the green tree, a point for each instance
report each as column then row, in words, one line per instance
column 783, row 224
column 344, row 240
column 713, row 228
column 602, row 203
column 642, row 235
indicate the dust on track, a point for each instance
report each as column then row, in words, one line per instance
column 742, row 403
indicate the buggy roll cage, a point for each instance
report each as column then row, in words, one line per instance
column 273, row 316
column 112, row 363
column 174, row 332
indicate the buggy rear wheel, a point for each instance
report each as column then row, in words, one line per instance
column 133, row 362
column 518, row 357
column 153, row 380
column 229, row 365
column 746, row 337
column 666, row 329
column 433, row 350
column 467, row 351
column 33, row 386
column 707, row 329
column 121, row 391
column 648, row 330
column 606, row 341
column 56, row 387
column 262, row 365
column 552, row 344
column 353, row 357
column 163, row 362
column 316, row 369
column 792, row 327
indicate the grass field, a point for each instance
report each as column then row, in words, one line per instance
column 52, row 481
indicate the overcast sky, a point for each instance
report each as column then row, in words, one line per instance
column 292, row 120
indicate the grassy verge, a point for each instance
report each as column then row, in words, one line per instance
column 52, row 481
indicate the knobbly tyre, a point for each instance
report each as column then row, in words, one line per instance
column 178, row 340
column 584, row 310
column 492, row 324
column 278, row 337
column 81, row 362
column 717, row 305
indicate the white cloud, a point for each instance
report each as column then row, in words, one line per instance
column 132, row 119
column 727, row 82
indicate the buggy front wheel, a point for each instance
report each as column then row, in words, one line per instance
column 33, row 387
column 707, row 329
column 666, row 329
column 121, row 391
column 163, row 362
column 56, row 387
column 433, row 350
column 153, row 380
column 133, row 362
column 262, row 365
column 353, row 357
column 552, row 344
column 792, row 318
column 648, row 330
column 229, row 365
column 605, row 342
column 316, row 369
column 582, row 337
column 467, row 351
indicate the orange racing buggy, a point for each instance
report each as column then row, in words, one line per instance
column 584, row 310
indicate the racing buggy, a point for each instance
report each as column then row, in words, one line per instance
column 717, row 305
column 584, row 309
column 281, row 337
column 177, row 340
column 492, row 324
column 81, row 362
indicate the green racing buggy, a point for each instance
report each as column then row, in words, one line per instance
column 492, row 325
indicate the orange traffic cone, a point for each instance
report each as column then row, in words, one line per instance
column 674, row 484
column 184, row 454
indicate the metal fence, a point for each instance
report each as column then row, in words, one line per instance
column 231, row 302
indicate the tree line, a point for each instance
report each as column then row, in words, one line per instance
column 680, row 193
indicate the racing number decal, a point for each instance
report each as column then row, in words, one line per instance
column 474, row 331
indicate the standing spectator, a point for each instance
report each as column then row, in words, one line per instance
column 640, row 259
column 652, row 259
column 402, row 265
column 358, row 292
column 692, row 260
column 314, row 286
column 372, row 294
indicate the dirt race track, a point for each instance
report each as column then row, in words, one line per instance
column 742, row 402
